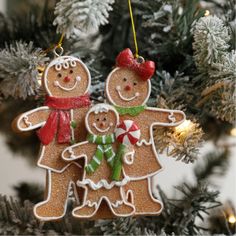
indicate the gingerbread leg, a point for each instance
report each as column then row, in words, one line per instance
column 91, row 203
column 118, row 204
column 58, row 187
column 140, row 194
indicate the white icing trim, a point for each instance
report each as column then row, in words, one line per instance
column 101, row 130
column 108, row 93
column 97, row 205
column 49, row 182
column 26, row 121
column 57, row 84
column 102, row 183
column 103, row 107
column 72, row 120
column 60, row 60
column 144, row 142
column 70, row 150
column 128, row 158
column 24, row 117
column 124, row 98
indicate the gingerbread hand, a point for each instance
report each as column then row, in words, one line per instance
column 31, row 120
column 165, row 117
column 75, row 152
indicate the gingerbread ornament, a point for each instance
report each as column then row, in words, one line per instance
column 60, row 122
column 128, row 88
column 99, row 152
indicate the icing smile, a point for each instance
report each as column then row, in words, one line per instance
column 102, row 130
column 118, row 88
column 57, row 84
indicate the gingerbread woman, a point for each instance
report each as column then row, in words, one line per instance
column 99, row 152
column 61, row 121
column 128, row 88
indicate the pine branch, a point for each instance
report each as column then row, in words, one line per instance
column 18, row 219
column 214, row 163
column 34, row 25
column 81, row 17
column 217, row 67
column 18, row 70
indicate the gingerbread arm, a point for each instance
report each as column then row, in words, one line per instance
column 32, row 119
column 75, row 151
column 165, row 117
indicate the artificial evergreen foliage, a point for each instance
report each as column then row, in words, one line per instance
column 195, row 72
column 75, row 17
column 19, row 70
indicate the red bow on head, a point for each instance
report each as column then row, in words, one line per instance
column 126, row 59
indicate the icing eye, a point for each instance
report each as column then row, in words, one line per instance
column 125, row 79
column 71, row 71
column 104, row 119
column 97, row 119
column 59, row 75
column 135, row 83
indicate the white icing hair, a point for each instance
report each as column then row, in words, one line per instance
column 65, row 62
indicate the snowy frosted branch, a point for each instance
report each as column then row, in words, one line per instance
column 18, row 70
column 218, row 64
column 81, row 17
column 211, row 39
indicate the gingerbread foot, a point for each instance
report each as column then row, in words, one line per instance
column 141, row 196
column 86, row 211
column 123, row 210
column 50, row 210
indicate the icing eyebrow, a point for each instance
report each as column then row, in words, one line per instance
column 58, row 67
column 73, row 63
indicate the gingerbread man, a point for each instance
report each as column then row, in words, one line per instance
column 61, row 121
column 128, row 88
column 99, row 152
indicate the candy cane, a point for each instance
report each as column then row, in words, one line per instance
column 127, row 133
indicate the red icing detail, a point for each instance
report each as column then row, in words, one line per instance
column 122, row 126
column 67, row 79
column 59, row 118
column 126, row 59
column 102, row 124
column 121, row 137
column 132, row 139
column 134, row 127
column 128, row 87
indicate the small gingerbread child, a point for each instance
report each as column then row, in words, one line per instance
column 128, row 88
column 61, row 121
column 99, row 152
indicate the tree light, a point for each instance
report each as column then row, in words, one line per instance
column 207, row 13
column 184, row 127
column 232, row 219
column 233, row 132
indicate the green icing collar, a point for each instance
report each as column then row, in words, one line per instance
column 132, row 111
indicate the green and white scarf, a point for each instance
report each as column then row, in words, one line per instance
column 104, row 148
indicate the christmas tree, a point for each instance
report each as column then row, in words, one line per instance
column 192, row 43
